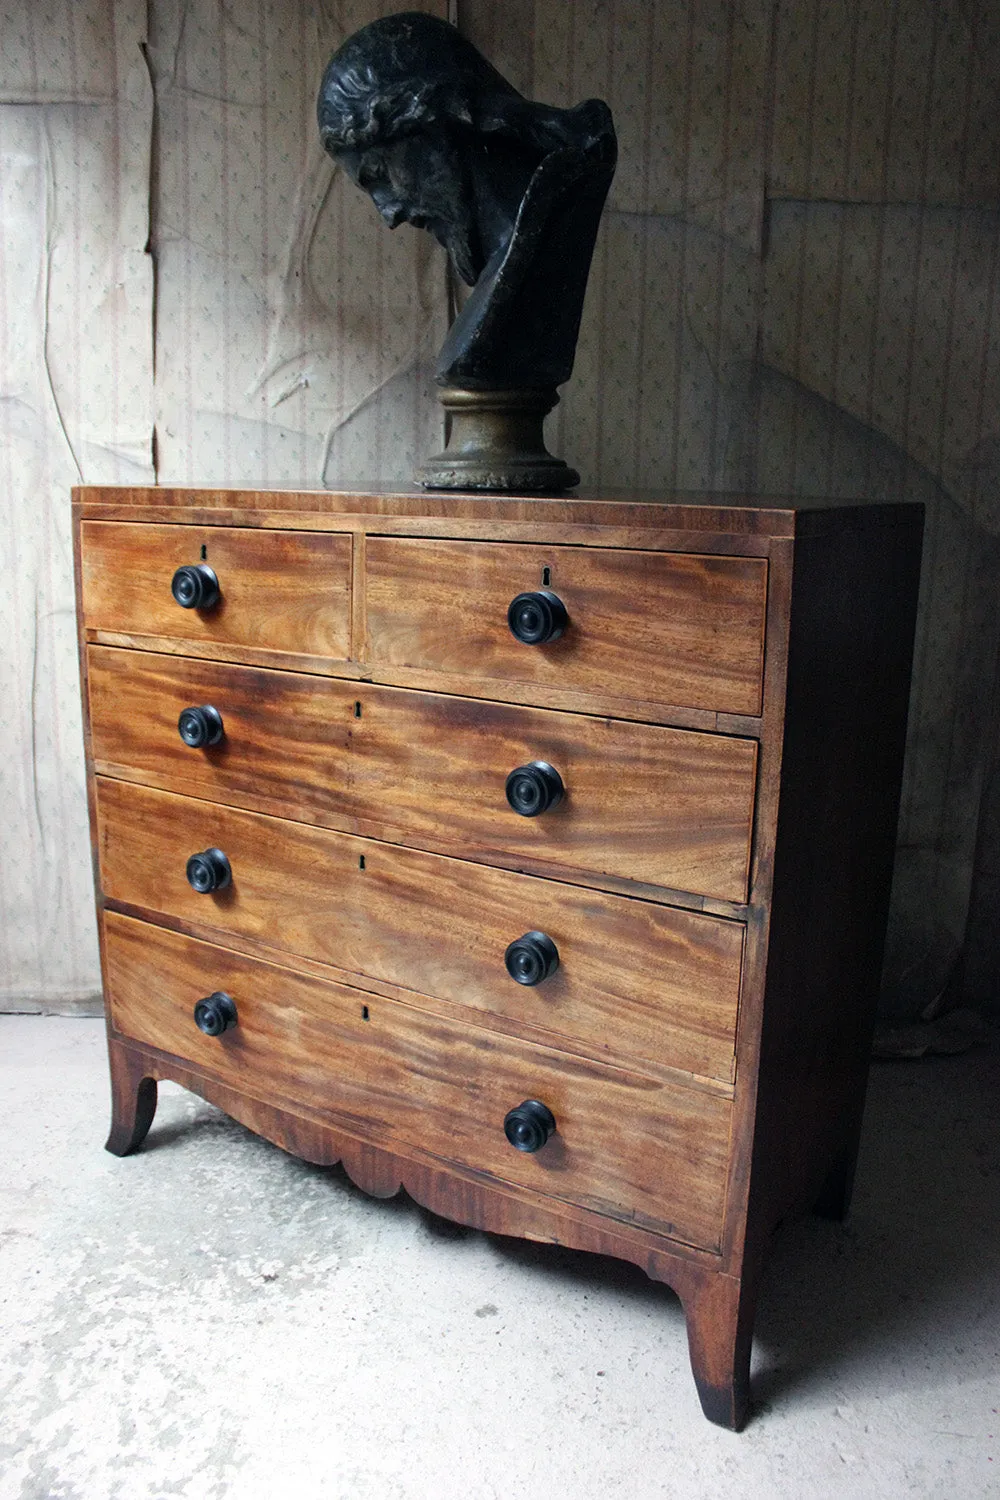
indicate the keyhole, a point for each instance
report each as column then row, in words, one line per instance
column 361, row 862
column 364, row 1013
column 357, row 710
column 546, row 576
column 204, row 552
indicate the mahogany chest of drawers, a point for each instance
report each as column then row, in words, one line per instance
column 532, row 855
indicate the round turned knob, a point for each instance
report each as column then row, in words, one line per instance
column 199, row 727
column 195, row 587
column 532, row 958
column 537, row 617
column 215, row 1014
column 529, row 1126
column 534, row 788
column 209, row 871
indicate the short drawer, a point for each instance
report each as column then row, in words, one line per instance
column 285, row 591
column 671, row 628
column 634, row 980
column 665, row 807
column 636, row 1149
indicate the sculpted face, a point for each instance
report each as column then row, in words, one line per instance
column 419, row 179
column 513, row 191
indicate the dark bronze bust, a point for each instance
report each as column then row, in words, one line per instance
column 513, row 190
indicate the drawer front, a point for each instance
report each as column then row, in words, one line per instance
column 287, row 591
column 639, row 1150
column 634, row 980
column 671, row 628
column 667, row 807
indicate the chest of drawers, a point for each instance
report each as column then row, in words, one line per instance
column 530, row 855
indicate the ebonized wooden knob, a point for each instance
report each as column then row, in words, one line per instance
column 534, row 788
column 195, row 586
column 537, row 618
column 529, row 1126
column 532, row 958
column 215, row 1014
column 209, row 871
column 199, row 727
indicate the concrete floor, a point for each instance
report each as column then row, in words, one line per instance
column 212, row 1318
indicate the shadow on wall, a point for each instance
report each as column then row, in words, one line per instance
column 365, row 446
column 784, row 439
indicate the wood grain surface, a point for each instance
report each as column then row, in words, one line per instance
column 684, row 629
column 637, row 983
column 635, row 1149
column 405, row 1071
column 411, row 506
column 851, row 632
column 601, row 513
column 287, row 591
column 667, row 807
column 448, row 1189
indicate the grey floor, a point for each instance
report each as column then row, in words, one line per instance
column 211, row 1318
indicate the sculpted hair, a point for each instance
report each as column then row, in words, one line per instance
column 403, row 73
column 357, row 109
column 400, row 74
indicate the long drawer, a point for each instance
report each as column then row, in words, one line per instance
column 634, row 1148
column 285, row 591
column 667, row 807
column 634, row 980
column 669, row 628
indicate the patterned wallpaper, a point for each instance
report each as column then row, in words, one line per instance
column 293, row 333
column 76, row 295
column 796, row 288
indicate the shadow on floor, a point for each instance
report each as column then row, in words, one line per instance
column 916, row 1267
column 916, row 1263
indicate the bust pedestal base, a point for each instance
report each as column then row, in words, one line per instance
column 495, row 442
